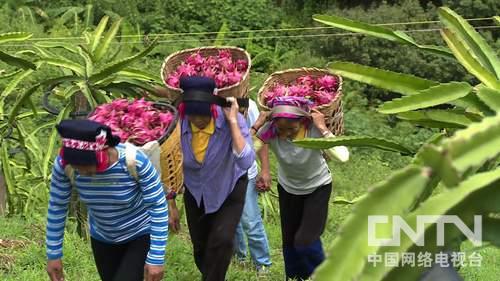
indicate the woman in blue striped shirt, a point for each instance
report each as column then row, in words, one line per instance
column 128, row 216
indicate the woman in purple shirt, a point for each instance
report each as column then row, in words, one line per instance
column 217, row 150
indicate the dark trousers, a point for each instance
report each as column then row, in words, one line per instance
column 303, row 219
column 213, row 234
column 121, row 262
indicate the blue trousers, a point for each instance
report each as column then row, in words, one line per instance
column 252, row 227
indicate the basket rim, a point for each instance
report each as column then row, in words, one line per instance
column 191, row 50
column 172, row 125
column 265, row 85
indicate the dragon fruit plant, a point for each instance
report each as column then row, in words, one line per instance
column 320, row 90
column 222, row 68
column 136, row 121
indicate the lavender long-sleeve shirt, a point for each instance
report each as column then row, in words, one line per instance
column 213, row 180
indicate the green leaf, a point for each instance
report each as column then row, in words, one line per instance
column 140, row 75
column 70, row 91
column 472, row 102
column 221, row 35
column 30, row 103
column 353, row 141
column 89, row 64
column 435, row 139
column 44, row 53
column 8, row 75
column 51, row 44
column 437, row 50
column 87, row 92
column 391, row 197
column 89, row 15
column 52, row 141
column 496, row 19
column 65, row 63
column 363, row 28
column 29, row 115
column 473, row 146
column 16, row 61
column 4, row 163
column 69, row 14
column 14, row 36
column 471, row 39
column 34, row 144
column 339, row 200
column 448, row 118
column 23, row 98
column 95, row 38
column 114, row 67
column 404, row 84
column 436, row 206
column 124, row 89
column 103, row 47
column 436, row 95
column 467, row 58
column 9, row 88
column 135, row 83
column 378, row 32
column 490, row 97
column 440, row 162
column 397, row 82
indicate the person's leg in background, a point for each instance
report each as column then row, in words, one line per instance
column 240, row 243
column 219, row 247
column 253, row 227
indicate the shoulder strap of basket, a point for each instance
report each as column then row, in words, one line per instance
column 220, row 101
column 70, row 173
column 130, row 156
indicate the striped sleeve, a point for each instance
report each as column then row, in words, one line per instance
column 59, row 197
column 154, row 197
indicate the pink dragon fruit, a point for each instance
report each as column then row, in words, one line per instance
column 220, row 80
column 173, row 80
column 327, row 82
column 224, row 54
column 195, row 59
column 221, row 67
column 241, row 65
column 136, row 121
column 233, row 77
column 321, row 90
column 209, row 72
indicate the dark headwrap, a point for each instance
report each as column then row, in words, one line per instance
column 197, row 85
column 85, row 142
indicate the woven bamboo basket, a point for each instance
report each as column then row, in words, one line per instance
column 334, row 116
column 171, row 152
column 170, row 64
column 172, row 174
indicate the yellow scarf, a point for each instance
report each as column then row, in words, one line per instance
column 200, row 140
column 301, row 134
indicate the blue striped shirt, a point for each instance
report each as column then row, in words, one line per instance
column 120, row 208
